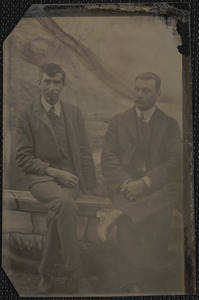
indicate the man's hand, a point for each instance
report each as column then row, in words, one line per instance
column 67, row 178
column 63, row 177
column 132, row 188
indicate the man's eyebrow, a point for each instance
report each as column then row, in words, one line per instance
column 57, row 80
column 52, row 80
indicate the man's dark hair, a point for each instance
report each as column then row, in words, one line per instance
column 51, row 70
column 150, row 76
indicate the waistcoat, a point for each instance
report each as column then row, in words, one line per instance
column 61, row 134
column 141, row 160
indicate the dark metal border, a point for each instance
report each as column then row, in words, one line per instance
column 12, row 12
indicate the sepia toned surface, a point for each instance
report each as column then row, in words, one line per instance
column 101, row 57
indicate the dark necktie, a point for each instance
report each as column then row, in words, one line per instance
column 52, row 112
column 142, row 120
column 144, row 127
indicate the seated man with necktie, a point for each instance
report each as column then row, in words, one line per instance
column 141, row 162
column 53, row 150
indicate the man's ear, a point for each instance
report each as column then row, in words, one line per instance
column 159, row 93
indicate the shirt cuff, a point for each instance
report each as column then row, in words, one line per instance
column 43, row 167
column 147, row 181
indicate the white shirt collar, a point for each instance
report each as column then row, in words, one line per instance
column 48, row 106
column 147, row 113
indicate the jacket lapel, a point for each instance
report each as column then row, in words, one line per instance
column 130, row 124
column 73, row 139
column 42, row 115
column 72, row 134
column 159, row 127
column 69, row 120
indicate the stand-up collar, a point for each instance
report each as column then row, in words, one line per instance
column 48, row 106
column 146, row 113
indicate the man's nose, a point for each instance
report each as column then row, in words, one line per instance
column 140, row 93
column 51, row 86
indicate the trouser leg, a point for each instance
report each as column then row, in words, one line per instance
column 143, row 248
column 143, row 254
column 61, row 226
column 131, row 272
column 127, row 245
column 50, row 245
column 67, row 231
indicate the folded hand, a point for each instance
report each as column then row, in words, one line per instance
column 67, row 178
column 132, row 189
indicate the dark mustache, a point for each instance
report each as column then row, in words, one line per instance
column 138, row 100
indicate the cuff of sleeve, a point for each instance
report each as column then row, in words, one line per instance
column 43, row 167
column 147, row 181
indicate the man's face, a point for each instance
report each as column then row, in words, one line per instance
column 51, row 87
column 146, row 93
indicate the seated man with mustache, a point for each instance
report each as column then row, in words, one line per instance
column 141, row 162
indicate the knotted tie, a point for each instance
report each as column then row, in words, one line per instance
column 52, row 112
column 144, row 127
column 142, row 118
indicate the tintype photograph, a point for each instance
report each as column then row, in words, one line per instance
column 97, row 135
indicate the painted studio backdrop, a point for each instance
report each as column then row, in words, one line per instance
column 101, row 55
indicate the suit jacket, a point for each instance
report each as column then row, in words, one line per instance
column 36, row 144
column 120, row 144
